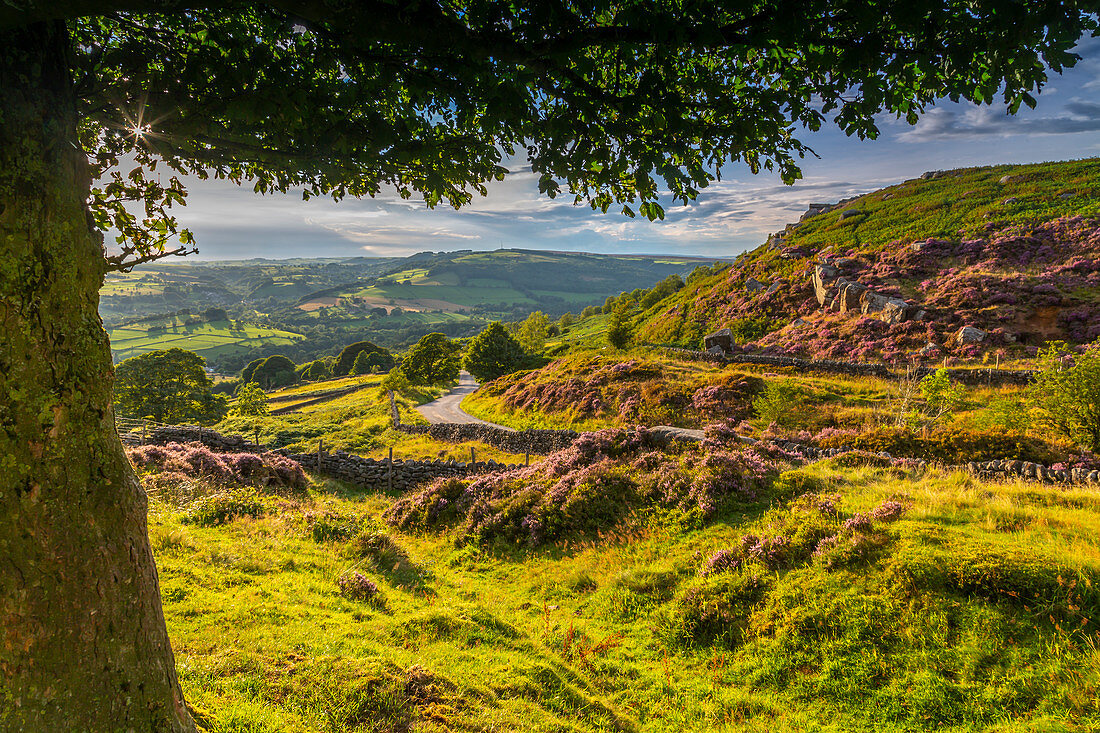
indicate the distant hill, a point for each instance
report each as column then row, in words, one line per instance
column 320, row 305
column 1010, row 251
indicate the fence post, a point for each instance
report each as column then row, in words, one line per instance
column 389, row 469
column 320, row 450
column 527, row 459
column 473, row 455
column 395, row 416
column 256, row 439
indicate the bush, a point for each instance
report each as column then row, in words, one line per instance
column 270, row 470
column 780, row 403
column 493, row 353
column 251, row 402
column 1066, row 393
column 357, row 587
column 224, row 506
column 595, row 484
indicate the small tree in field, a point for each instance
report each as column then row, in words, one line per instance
column 251, row 401
column 533, row 331
column 1066, row 393
column 493, row 353
column 779, row 403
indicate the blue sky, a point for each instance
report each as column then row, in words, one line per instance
column 729, row 217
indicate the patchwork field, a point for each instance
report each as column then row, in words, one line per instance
column 210, row 340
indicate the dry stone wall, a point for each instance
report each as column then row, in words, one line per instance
column 860, row 369
column 539, row 442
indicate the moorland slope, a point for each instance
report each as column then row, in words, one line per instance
column 1011, row 252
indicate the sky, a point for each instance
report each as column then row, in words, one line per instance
column 729, row 217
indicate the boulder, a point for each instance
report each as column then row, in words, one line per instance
column 824, row 277
column 772, row 288
column 849, row 213
column 970, row 335
column 815, row 210
column 752, row 285
column 1005, row 179
column 722, row 339
column 849, row 297
column 886, row 309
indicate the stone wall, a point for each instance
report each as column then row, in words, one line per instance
column 369, row 473
column 539, row 442
column 860, row 369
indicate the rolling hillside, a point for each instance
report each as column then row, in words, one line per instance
column 1012, row 252
column 212, row 340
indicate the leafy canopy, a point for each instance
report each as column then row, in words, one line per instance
column 169, row 386
column 493, row 352
column 615, row 101
column 432, row 360
column 251, row 402
column 1066, row 393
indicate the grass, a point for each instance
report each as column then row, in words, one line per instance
column 357, row 423
column 582, row 636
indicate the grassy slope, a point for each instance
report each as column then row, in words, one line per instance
column 576, row 638
column 358, row 423
column 955, row 207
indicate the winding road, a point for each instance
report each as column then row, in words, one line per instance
column 447, row 409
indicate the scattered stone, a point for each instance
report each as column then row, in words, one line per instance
column 797, row 322
column 772, row 288
column 1011, row 200
column 1005, row 179
column 970, row 335
column 849, row 213
column 886, row 309
column 1066, row 195
column 887, row 196
column 916, row 246
column 752, row 285
column 722, row 340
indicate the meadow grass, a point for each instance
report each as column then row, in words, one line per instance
column 587, row 635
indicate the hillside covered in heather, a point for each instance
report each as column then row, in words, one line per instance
column 1009, row 253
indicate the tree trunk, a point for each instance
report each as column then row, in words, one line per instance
column 83, row 645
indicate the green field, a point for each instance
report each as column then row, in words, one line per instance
column 209, row 340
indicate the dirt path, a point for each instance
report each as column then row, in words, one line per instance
column 447, row 408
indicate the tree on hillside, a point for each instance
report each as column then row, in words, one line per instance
column 251, row 401
column 493, row 353
column 533, row 331
column 367, row 362
column 275, row 371
column 249, row 370
column 314, row 370
column 620, row 327
column 615, row 103
column 1066, row 393
column 169, row 386
column 432, row 360
column 346, row 359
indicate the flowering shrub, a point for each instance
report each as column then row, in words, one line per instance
column 224, row 506
column 271, row 470
column 355, row 586
column 596, row 483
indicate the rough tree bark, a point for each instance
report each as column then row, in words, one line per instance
column 83, row 644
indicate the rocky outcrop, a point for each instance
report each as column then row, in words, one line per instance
column 838, row 294
column 752, row 285
column 824, row 276
column 722, row 339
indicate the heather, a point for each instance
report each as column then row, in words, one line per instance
column 602, row 480
column 1011, row 250
column 270, row 470
column 867, row 598
column 591, row 390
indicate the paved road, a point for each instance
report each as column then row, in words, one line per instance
column 447, row 410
